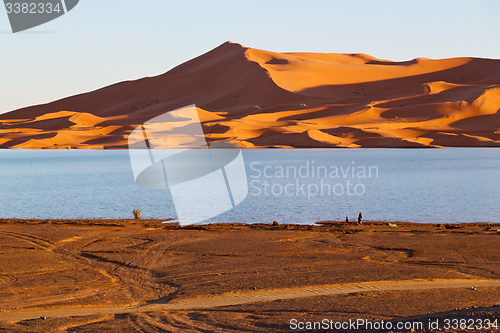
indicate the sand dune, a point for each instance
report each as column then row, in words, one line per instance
column 257, row 99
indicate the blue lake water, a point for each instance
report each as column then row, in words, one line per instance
column 286, row 185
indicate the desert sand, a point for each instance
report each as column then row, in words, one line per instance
column 142, row 275
column 260, row 99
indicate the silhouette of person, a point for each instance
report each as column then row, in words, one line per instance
column 360, row 218
column 346, row 220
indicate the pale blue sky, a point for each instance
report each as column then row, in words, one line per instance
column 101, row 42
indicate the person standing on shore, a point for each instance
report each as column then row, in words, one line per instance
column 360, row 218
column 346, row 220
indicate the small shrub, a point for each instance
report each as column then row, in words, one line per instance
column 361, row 294
column 137, row 213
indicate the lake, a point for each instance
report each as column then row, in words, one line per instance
column 287, row 185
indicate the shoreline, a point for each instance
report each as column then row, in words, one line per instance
column 167, row 224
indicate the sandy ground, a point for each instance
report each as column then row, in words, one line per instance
column 256, row 99
column 129, row 276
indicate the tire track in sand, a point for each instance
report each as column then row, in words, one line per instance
column 204, row 302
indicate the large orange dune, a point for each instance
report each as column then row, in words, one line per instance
column 259, row 99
